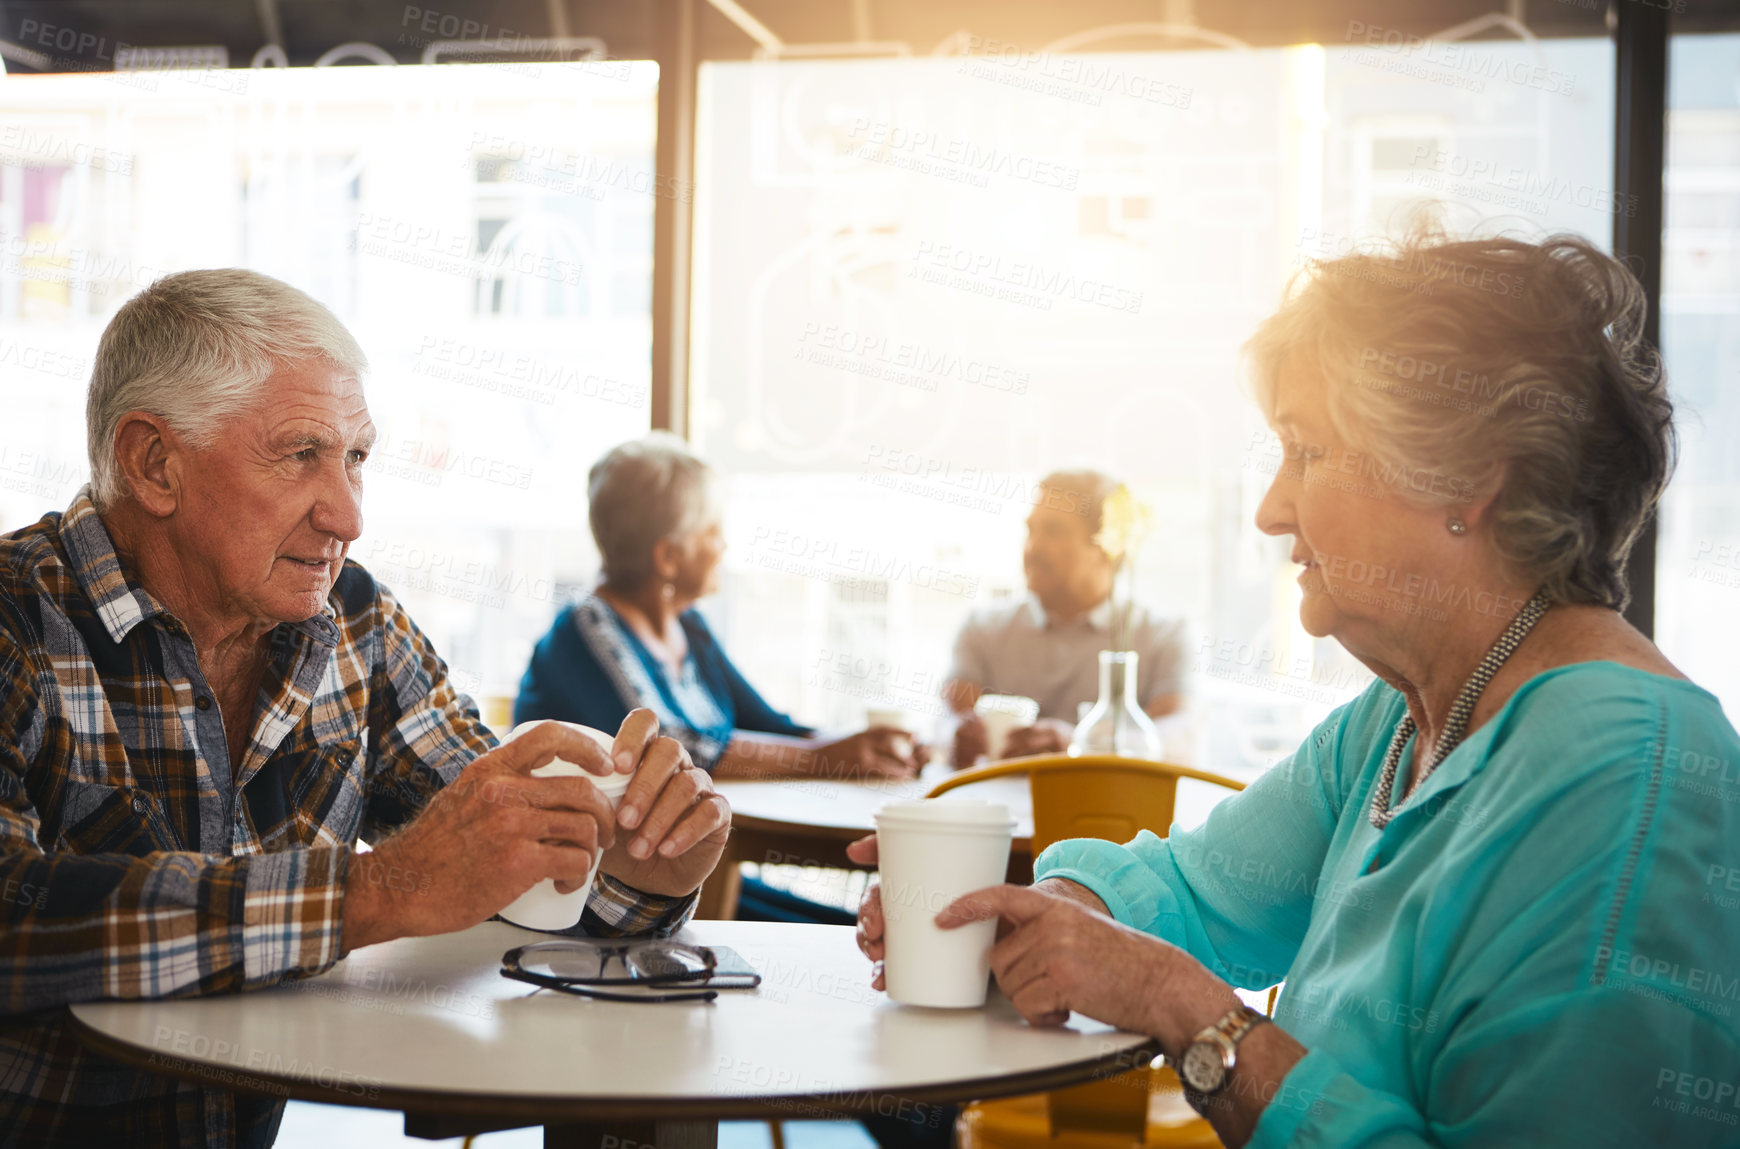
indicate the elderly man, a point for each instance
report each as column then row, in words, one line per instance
column 204, row 705
column 1047, row 646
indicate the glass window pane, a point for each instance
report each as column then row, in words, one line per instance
column 1697, row 602
column 484, row 231
column 921, row 284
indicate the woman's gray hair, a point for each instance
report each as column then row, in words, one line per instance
column 1494, row 366
column 641, row 493
column 195, row 349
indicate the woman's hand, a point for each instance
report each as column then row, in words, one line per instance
column 672, row 824
column 872, row 926
column 1054, row 955
column 879, row 752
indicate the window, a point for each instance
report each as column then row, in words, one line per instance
column 484, row 231
column 921, row 284
column 1697, row 601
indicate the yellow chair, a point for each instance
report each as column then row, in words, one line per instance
column 1095, row 796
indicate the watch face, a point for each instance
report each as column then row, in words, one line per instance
column 1201, row 1067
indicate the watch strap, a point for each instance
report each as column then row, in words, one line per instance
column 1238, row 1023
column 1226, row 1033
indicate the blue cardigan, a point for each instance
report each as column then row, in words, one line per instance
column 592, row 669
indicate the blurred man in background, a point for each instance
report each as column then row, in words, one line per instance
column 1046, row 646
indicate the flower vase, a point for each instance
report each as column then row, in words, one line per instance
column 1117, row 724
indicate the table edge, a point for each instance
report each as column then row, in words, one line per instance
column 544, row 1108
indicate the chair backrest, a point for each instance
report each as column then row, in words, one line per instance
column 1094, row 796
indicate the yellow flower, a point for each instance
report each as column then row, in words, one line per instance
column 1124, row 522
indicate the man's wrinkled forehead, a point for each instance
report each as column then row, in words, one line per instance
column 318, row 403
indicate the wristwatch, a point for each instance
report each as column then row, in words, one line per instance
column 1207, row 1062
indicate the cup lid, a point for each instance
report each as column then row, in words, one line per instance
column 947, row 812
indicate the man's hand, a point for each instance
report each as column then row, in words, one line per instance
column 482, row 841
column 879, row 752
column 872, row 926
column 673, row 825
column 970, row 741
column 1054, row 955
column 1047, row 736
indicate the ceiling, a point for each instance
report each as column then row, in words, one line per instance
column 81, row 34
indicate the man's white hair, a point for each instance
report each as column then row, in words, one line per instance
column 195, row 349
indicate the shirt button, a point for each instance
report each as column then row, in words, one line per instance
column 202, row 702
column 141, row 803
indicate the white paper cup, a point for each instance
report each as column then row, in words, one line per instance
column 933, row 851
column 1002, row 714
column 541, row 907
column 999, row 724
column 878, row 716
column 881, row 716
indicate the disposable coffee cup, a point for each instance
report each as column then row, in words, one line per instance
column 541, row 907
column 878, row 716
column 1003, row 714
column 932, row 851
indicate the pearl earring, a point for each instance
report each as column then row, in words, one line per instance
column 670, row 591
column 1458, row 527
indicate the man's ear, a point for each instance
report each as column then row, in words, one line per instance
column 149, row 457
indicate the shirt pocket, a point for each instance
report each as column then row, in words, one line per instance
column 326, row 793
column 97, row 818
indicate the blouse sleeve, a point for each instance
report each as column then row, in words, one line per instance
column 1237, row 891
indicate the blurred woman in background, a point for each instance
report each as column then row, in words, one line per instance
column 637, row 640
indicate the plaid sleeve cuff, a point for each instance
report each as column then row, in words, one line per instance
column 292, row 913
column 617, row 909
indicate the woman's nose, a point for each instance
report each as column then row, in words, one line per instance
column 1275, row 513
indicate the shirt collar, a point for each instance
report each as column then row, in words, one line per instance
column 119, row 601
column 1099, row 618
column 97, row 567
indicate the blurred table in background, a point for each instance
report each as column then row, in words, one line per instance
column 809, row 823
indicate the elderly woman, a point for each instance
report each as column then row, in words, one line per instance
column 637, row 641
column 1492, row 883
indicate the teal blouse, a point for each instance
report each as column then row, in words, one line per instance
column 1542, row 948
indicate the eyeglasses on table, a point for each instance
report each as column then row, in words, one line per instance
column 649, row 971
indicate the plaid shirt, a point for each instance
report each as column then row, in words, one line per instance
column 136, row 861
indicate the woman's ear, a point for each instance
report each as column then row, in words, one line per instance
column 1478, row 504
column 666, row 560
column 148, row 456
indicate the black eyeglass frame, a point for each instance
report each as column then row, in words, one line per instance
column 586, row 987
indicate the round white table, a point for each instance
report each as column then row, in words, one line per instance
column 429, row 1026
